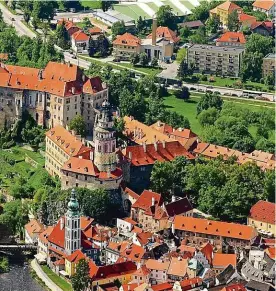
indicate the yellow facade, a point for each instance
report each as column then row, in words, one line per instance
column 262, row 225
column 125, row 51
column 124, row 279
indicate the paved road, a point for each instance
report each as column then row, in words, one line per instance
column 39, row 272
column 20, row 27
column 79, row 62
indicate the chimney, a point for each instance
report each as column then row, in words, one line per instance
column 158, row 123
column 173, row 229
column 83, row 77
column 130, row 155
column 73, row 90
column 68, row 64
column 155, row 146
column 173, row 198
column 164, row 144
column 144, row 147
column 153, row 33
column 61, row 223
column 152, row 201
column 40, row 75
column 91, row 155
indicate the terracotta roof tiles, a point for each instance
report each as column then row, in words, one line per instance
column 127, row 39
column 263, row 211
column 165, row 32
column 76, row 256
column 66, row 141
column 80, row 36
column 223, row 260
column 218, row 228
column 266, row 5
column 233, row 37
column 43, row 237
column 157, row 265
column 34, row 227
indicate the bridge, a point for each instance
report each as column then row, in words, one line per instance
column 17, row 247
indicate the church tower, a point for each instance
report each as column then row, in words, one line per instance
column 105, row 140
column 72, row 225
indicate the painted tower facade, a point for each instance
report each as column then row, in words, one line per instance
column 105, row 140
column 72, row 225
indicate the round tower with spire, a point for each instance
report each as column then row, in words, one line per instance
column 72, row 225
column 105, row 140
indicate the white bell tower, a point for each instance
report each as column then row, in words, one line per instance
column 72, row 225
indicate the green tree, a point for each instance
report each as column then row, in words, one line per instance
column 233, row 21
column 185, row 32
column 183, row 70
column 134, row 59
column 105, row 5
column 270, row 79
column 181, row 55
column 252, row 66
column 80, row 280
column 201, row 12
column 14, row 216
column 143, row 59
column 199, row 37
column 94, row 70
column 118, row 28
column 139, row 24
column 62, row 38
column 257, row 43
column 208, row 117
column 209, row 100
column 165, row 17
column 78, row 125
column 213, row 23
column 183, row 94
column 4, row 265
column 154, row 62
column 132, row 106
column 175, row 120
column 265, row 145
column 44, row 10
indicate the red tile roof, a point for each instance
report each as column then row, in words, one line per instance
column 58, row 79
column 43, row 237
column 145, row 200
column 127, row 39
column 223, row 260
column 256, row 24
column 233, row 37
column 246, row 18
column 234, row 287
column 266, row 5
column 141, row 155
column 207, row 250
column 93, row 85
column 131, row 193
column 113, row 271
column 190, row 282
column 165, row 32
column 129, row 287
column 201, row 146
column 271, row 252
column 143, row 237
column 95, row 30
column 66, row 141
column 87, row 167
column 132, row 253
column 76, row 256
column 57, row 235
column 80, row 36
column 34, row 227
column 217, row 228
column 85, row 222
column 228, row 6
column 162, row 287
column 263, row 211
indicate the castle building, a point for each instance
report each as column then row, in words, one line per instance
column 80, row 166
column 53, row 96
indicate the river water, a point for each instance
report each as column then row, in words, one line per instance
column 19, row 279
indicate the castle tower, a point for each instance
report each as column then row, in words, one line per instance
column 72, row 225
column 105, row 140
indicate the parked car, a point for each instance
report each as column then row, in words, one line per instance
column 193, row 88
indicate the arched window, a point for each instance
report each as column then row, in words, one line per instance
column 106, row 148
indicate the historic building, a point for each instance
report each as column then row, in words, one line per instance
column 80, row 166
column 53, row 96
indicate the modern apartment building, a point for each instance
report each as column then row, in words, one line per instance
column 269, row 65
column 218, row 60
column 53, row 96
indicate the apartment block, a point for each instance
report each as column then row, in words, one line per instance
column 269, row 65
column 218, row 60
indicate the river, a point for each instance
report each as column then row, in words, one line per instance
column 19, row 279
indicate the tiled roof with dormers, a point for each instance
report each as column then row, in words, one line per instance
column 263, row 211
column 66, row 141
column 127, row 39
column 216, row 228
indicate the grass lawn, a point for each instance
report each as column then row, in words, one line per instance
column 188, row 109
column 91, row 4
column 56, row 279
column 224, row 82
column 128, row 66
column 21, row 168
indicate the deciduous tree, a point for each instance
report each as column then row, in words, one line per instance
column 80, row 280
column 78, row 125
